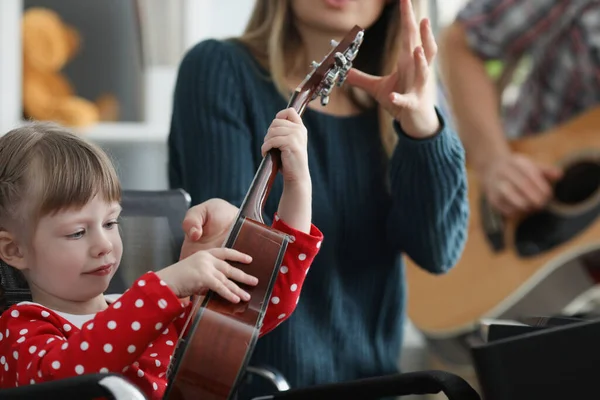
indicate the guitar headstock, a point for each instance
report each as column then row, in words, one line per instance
column 332, row 70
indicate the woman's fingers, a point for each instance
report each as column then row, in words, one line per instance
column 428, row 40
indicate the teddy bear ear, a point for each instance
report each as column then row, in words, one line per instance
column 73, row 39
column 44, row 44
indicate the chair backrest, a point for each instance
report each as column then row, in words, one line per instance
column 152, row 237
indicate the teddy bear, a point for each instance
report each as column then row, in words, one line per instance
column 48, row 45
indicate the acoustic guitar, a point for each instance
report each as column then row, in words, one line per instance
column 211, row 357
column 535, row 264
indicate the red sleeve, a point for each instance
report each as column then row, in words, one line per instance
column 41, row 346
column 297, row 259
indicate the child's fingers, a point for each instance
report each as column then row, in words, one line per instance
column 235, row 273
column 236, row 290
column 289, row 114
column 276, row 142
column 221, row 288
column 225, row 253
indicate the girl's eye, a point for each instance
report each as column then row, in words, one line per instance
column 112, row 224
column 76, row 235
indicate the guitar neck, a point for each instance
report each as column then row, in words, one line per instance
column 260, row 188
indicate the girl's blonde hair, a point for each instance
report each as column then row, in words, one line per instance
column 44, row 169
column 274, row 41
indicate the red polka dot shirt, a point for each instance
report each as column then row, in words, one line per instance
column 135, row 336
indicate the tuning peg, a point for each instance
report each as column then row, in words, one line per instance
column 324, row 100
column 334, row 43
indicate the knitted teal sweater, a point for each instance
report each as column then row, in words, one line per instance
column 349, row 321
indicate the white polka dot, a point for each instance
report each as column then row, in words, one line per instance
column 32, row 382
column 64, row 346
column 29, row 365
column 32, row 349
column 67, row 327
column 153, row 354
column 154, row 386
column 141, row 282
column 117, row 305
column 136, row 326
column 139, row 303
column 1, row 336
column 90, row 326
column 6, row 367
column 50, row 340
column 7, row 332
column 125, row 369
column 275, row 300
column 163, row 283
column 55, row 364
column 107, row 348
column 170, row 342
column 161, row 374
column 319, row 244
column 79, row 369
column 23, row 332
column 293, row 287
column 45, row 314
column 181, row 316
column 131, row 348
column 166, row 331
column 281, row 316
column 140, row 373
column 15, row 355
column 14, row 313
column 103, row 370
column 157, row 362
column 39, row 373
column 3, row 359
column 84, row 346
column 158, row 326
column 42, row 353
column 21, row 339
column 111, row 324
column 284, row 269
column 162, row 303
column 301, row 256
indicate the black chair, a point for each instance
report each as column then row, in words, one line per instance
column 152, row 237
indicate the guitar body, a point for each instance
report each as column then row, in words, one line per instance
column 211, row 366
column 531, row 264
column 218, row 338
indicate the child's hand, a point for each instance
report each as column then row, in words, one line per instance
column 288, row 134
column 208, row 270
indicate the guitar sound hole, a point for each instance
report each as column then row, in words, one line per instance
column 579, row 182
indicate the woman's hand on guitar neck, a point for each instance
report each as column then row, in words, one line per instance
column 513, row 183
column 209, row 270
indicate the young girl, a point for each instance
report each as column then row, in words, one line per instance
column 59, row 210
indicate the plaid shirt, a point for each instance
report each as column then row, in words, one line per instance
column 562, row 38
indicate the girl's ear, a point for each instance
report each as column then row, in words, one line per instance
column 10, row 251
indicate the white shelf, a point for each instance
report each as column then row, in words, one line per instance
column 125, row 132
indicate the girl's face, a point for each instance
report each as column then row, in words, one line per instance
column 336, row 17
column 74, row 254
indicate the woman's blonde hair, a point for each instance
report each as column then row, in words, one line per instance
column 274, row 41
column 44, row 169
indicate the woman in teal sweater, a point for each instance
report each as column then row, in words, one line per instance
column 387, row 171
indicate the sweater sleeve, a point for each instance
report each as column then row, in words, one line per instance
column 430, row 208
column 44, row 347
column 297, row 260
column 210, row 145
